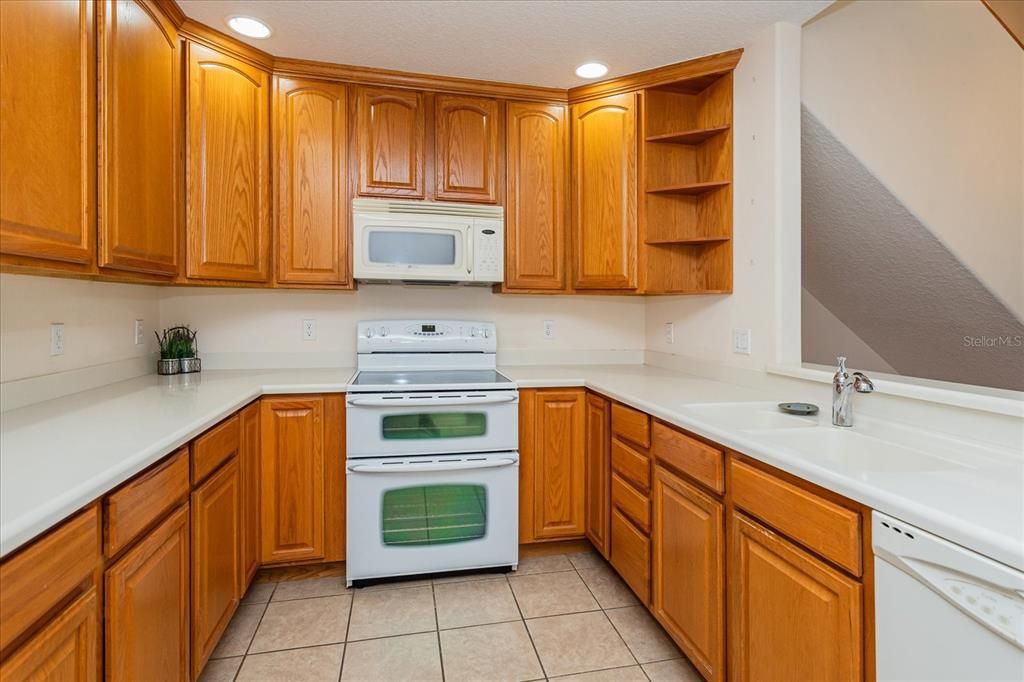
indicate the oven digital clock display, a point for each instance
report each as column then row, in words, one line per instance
column 428, row 328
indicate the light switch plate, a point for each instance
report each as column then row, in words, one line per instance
column 741, row 341
column 139, row 339
column 670, row 332
column 57, row 338
column 549, row 330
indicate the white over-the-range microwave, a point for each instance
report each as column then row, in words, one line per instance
column 427, row 241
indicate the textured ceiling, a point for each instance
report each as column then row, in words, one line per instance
column 538, row 42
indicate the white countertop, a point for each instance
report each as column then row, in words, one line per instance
column 58, row 456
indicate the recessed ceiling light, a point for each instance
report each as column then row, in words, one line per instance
column 249, row 27
column 591, row 70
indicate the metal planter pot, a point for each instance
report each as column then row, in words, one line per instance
column 172, row 366
column 189, row 365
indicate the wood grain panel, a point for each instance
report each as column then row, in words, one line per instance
column 147, row 607
column 140, row 147
column 147, row 497
column 536, row 225
column 227, row 201
column 249, row 473
column 390, row 142
column 791, row 617
column 604, row 193
column 215, row 447
column 821, row 525
column 632, row 425
column 48, row 130
column 631, row 465
column 703, row 463
column 632, row 503
column 631, row 555
column 216, row 560
column 598, row 472
column 334, row 476
column 688, row 570
column 292, row 479
column 467, row 156
column 310, row 141
column 66, row 649
column 50, row 569
column 527, row 455
column 558, row 464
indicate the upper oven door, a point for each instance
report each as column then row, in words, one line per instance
column 397, row 247
column 381, row 424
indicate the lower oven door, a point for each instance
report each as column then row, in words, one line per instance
column 411, row 515
column 381, row 424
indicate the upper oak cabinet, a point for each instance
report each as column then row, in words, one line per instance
column 390, row 141
column 139, row 129
column 312, row 229
column 604, row 192
column 228, row 226
column 466, row 145
column 47, row 130
column 537, row 150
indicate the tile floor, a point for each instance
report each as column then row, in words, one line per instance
column 566, row 617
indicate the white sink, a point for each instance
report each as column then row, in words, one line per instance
column 747, row 416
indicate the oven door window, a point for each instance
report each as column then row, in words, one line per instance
column 412, row 247
column 433, row 514
column 433, row 425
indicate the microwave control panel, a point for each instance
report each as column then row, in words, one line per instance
column 488, row 251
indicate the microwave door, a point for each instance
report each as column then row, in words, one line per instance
column 416, row 249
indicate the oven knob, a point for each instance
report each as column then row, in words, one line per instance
column 383, row 331
column 485, row 332
column 369, row 332
column 472, row 332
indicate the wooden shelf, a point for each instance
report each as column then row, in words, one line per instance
column 691, row 188
column 689, row 240
column 689, row 136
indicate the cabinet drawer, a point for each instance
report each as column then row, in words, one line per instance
column 631, row 503
column 143, row 501
column 631, row 465
column 632, row 425
column 689, row 456
column 214, row 447
column 631, row 555
column 39, row 578
column 823, row 526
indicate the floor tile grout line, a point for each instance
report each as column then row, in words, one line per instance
column 348, row 624
column 437, row 629
column 529, row 634
column 604, row 612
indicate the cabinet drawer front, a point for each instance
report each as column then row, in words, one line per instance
column 825, row 527
column 631, row 465
column 214, row 447
column 40, row 577
column 136, row 506
column 689, row 456
column 631, row 555
column 632, row 425
column 631, row 503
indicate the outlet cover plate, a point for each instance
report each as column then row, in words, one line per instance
column 741, row 341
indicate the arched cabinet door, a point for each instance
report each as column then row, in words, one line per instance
column 604, row 192
column 390, row 139
column 537, row 149
column 466, row 144
column 228, row 187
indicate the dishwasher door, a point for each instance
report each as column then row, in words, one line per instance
column 943, row 612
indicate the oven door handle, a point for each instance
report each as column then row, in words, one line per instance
column 428, row 402
column 429, row 466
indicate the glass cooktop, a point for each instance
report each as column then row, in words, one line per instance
column 483, row 378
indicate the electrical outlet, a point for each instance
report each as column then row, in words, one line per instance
column 741, row 341
column 139, row 340
column 57, row 338
column 549, row 330
column 309, row 330
column 670, row 332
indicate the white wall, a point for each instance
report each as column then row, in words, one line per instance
column 253, row 328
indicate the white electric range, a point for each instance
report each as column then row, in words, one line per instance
column 432, row 451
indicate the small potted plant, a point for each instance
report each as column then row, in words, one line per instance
column 178, row 351
column 190, row 361
column 169, row 362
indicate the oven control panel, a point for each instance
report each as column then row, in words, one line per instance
column 426, row 336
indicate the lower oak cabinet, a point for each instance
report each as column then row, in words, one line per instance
column 249, row 472
column 147, row 613
column 791, row 616
column 688, row 545
column 598, row 472
column 67, row 648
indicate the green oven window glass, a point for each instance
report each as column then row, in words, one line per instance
column 434, row 425
column 434, row 514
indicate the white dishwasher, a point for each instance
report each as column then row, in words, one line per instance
column 943, row 612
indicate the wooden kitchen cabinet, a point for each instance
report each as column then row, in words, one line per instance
column 598, row 472
column 140, row 124
column 391, row 127
column 604, row 192
column 556, row 451
column 536, row 214
column 791, row 616
column 48, row 131
column 311, row 160
column 467, row 156
column 147, row 606
column 249, row 475
column 688, row 570
column 67, row 648
column 216, row 559
column 228, row 169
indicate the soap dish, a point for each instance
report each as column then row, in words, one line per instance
column 802, row 409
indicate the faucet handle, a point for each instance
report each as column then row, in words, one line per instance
column 861, row 383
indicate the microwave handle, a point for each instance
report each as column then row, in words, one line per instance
column 469, row 249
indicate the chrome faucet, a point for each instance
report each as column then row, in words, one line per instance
column 843, row 385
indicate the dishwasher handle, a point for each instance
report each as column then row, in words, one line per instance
column 412, row 467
